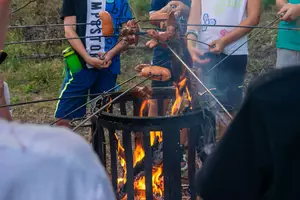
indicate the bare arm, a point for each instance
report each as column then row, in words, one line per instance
column 195, row 18
column 195, row 15
column 253, row 17
column 70, row 32
column 280, row 3
column 4, row 20
column 119, row 47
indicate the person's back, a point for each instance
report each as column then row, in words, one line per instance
column 40, row 162
column 258, row 157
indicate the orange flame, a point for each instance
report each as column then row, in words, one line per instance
column 108, row 107
column 179, row 98
column 121, row 157
column 138, row 154
column 157, row 183
column 154, row 135
column 189, row 97
column 143, row 106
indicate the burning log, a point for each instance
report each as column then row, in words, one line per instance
column 138, row 170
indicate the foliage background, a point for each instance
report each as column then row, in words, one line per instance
column 40, row 77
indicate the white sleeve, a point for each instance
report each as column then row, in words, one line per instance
column 7, row 96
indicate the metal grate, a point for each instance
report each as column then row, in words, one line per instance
column 123, row 118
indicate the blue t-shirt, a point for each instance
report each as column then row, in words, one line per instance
column 87, row 11
column 163, row 56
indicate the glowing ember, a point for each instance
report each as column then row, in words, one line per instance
column 138, row 154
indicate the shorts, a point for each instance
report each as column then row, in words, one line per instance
column 87, row 80
column 226, row 79
column 287, row 58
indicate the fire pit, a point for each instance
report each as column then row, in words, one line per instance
column 147, row 149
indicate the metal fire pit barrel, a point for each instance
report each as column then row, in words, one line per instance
column 123, row 117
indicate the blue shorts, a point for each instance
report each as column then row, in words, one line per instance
column 227, row 78
column 85, row 81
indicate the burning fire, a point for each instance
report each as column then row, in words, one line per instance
column 138, row 155
column 155, row 137
column 121, row 157
column 179, row 96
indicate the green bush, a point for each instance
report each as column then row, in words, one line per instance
column 140, row 7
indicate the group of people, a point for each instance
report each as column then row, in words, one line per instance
column 66, row 167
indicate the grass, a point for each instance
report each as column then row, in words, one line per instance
column 41, row 79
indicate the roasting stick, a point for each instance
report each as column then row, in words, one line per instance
column 49, row 100
column 196, row 77
column 95, row 99
column 252, row 37
column 109, row 103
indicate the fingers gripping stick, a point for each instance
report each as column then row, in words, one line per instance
column 171, row 32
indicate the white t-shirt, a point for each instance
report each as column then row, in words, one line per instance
column 39, row 162
column 222, row 12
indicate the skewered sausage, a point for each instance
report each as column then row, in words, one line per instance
column 158, row 18
column 163, row 37
column 107, row 23
column 157, row 73
column 129, row 32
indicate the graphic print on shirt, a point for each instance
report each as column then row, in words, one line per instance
column 207, row 21
column 224, row 32
column 94, row 43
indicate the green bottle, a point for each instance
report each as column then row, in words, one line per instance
column 72, row 60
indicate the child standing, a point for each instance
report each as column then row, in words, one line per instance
column 94, row 75
column 228, row 77
column 163, row 57
column 288, row 44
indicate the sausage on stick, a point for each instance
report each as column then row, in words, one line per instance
column 158, row 73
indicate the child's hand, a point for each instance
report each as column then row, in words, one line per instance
column 97, row 63
column 179, row 8
column 290, row 12
column 217, row 46
column 195, row 53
